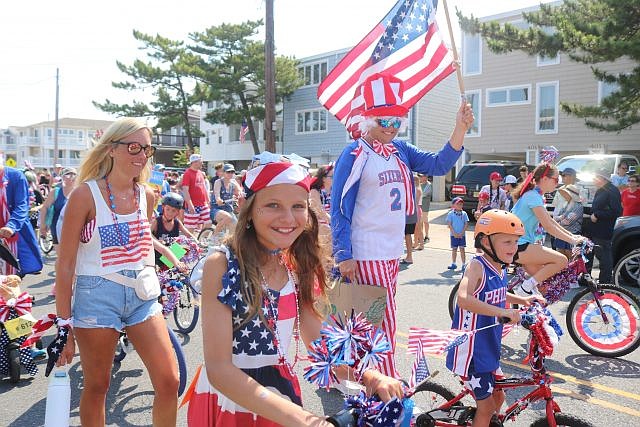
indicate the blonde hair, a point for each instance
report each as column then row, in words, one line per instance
column 98, row 163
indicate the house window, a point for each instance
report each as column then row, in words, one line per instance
column 74, row 154
column 514, row 95
column 543, row 61
column 605, row 89
column 547, row 107
column 49, row 132
column 220, row 139
column 80, row 133
column 313, row 74
column 472, row 54
column 473, row 98
column 211, row 105
column 311, row 121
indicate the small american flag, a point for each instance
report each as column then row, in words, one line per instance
column 420, row 370
column 243, row 131
column 434, row 341
column 125, row 242
column 405, row 44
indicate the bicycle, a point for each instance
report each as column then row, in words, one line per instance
column 437, row 406
column 602, row 319
column 125, row 347
column 181, row 298
column 45, row 243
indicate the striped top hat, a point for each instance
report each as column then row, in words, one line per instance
column 272, row 169
column 382, row 95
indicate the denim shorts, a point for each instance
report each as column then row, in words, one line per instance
column 101, row 303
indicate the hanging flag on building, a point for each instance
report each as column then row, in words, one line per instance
column 243, row 131
column 405, row 44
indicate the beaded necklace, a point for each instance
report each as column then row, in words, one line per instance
column 271, row 316
column 112, row 206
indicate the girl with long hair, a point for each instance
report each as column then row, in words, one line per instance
column 539, row 261
column 261, row 290
column 106, row 243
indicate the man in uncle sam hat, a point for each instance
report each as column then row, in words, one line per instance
column 373, row 190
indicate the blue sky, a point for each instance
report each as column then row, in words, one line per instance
column 85, row 38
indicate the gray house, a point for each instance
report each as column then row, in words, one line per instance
column 516, row 101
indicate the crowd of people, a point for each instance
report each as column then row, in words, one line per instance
column 281, row 230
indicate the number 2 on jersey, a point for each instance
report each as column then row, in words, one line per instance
column 395, row 203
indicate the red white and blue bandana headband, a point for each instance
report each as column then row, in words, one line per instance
column 282, row 171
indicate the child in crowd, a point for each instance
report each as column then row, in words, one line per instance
column 569, row 216
column 259, row 295
column 457, row 220
column 482, row 297
column 508, row 184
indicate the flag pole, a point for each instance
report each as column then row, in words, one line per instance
column 455, row 51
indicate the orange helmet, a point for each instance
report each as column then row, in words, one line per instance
column 498, row 221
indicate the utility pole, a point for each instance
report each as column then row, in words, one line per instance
column 55, row 129
column 270, row 82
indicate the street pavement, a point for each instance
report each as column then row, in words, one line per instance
column 603, row 391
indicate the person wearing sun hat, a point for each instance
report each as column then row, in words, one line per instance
column 373, row 191
column 508, row 184
column 569, row 216
column 497, row 195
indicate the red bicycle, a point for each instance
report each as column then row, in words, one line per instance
column 435, row 405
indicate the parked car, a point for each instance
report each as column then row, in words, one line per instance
column 586, row 165
column 473, row 176
column 625, row 250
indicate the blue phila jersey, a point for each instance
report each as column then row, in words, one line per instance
column 484, row 346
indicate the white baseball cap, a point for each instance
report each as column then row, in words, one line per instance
column 194, row 158
column 509, row 179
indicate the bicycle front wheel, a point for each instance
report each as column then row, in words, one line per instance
column 206, row 237
column 46, row 243
column 453, row 299
column 186, row 312
column 562, row 420
column 430, row 396
column 615, row 337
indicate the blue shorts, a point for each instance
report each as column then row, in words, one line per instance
column 481, row 384
column 458, row 242
column 101, row 303
column 561, row 244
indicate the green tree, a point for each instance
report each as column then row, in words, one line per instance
column 590, row 32
column 230, row 71
column 166, row 74
column 181, row 157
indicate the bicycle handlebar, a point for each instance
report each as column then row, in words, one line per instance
column 344, row 418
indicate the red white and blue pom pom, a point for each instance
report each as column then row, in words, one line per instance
column 549, row 154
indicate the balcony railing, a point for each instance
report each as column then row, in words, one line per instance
column 177, row 141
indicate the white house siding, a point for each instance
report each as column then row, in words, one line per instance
column 508, row 131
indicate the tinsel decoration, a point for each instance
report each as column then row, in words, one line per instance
column 549, row 154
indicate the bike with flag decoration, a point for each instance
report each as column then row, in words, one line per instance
column 429, row 404
column 441, row 407
column 602, row 319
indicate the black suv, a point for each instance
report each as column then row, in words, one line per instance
column 625, row 249
column 473, row 176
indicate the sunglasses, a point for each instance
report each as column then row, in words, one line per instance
column 134, row 148
column 387, row 123
column 69, row 175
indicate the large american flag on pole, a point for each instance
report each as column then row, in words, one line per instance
column 405, row 44
column 126, row 242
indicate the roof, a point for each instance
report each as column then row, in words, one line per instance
column 72, row 122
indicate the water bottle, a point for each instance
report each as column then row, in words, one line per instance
column 58, row 399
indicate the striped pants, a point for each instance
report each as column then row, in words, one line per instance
column 385, row 274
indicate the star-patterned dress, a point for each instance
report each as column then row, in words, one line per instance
column 254, row 353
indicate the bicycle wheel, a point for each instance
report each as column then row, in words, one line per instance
column 186, row 312
column 617, row 337
column 46, row 243
column 182, row 364
column 122, row 348
column 430, row 396
column 562, row 420
column 627, row 270
column 206, row 237
column 14, row 365
column 453, row 299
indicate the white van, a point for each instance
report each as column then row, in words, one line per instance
column 586, row 165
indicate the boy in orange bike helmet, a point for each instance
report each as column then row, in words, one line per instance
column 482, row 297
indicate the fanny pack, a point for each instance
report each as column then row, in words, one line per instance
column 146, row 285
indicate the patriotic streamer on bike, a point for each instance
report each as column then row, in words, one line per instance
column 55, row 348
column 405, row 44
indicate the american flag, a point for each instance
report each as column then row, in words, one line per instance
column 243, row 131
column 405, row 44
column 420, row 370
column 122, row 243
column 434, row 341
